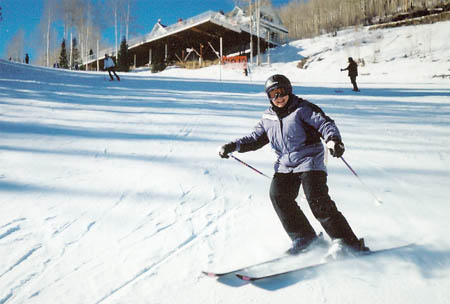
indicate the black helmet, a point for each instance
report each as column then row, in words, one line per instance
column 278, row 81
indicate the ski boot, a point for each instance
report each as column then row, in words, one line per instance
column 339, row 249
column 302, row 244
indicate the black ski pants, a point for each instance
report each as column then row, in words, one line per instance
column 353, row 81
column 114, row 72
column 283, row 192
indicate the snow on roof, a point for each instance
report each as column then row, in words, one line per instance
column 158, row 28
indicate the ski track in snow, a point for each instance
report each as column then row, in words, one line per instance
column 21, row 260
column 185, row 217
column 171, row 254
column 53, row 263
column 9, row 231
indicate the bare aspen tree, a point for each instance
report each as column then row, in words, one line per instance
column 250, row 11
column 88, row 29
column 127, row 19
column 258, row 16
column 47, row 19
column 81, row 29
column 83, row 13
column 115, row 12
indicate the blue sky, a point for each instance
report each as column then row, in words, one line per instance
column 26, row 14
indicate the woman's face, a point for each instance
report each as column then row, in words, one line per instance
column 281, row 101
column 279, row 97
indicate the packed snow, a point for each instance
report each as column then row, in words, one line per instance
column 113, row 192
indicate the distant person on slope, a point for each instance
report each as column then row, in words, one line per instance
column 109, row 66
column 294, row 128
column 352, row 72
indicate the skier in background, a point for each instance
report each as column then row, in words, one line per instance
column 294, row 128
column 352, row 69
column 27, row 58
column 109, row 66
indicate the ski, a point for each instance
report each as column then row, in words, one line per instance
column 228, row 272
column 304, row 256
column 241, row 274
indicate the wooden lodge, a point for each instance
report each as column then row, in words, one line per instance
column 207, row 36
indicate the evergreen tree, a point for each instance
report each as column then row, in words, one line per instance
column 158, row 61
column 63, row 63
column 75, row 52
column 124, row 60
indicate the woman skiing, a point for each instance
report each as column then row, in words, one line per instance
column 294, row 128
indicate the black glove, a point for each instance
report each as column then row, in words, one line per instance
column 227, row 149
column 336, row 147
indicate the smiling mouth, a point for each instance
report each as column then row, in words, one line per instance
column 280, row 100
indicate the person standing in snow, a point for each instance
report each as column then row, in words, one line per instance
column 27, row 58
column 294, row 128
column 352, row 69
column 109, row 66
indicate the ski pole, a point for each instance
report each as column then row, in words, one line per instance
column 247, row 165
column 377, row 201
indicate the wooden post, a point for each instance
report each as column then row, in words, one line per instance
column 214, row 50
column 221, row 56
column 221, row 50
column 181, row 60
column 165, row 52
column 200, row 59
column 258, row 15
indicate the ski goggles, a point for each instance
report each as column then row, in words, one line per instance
column 275, row 93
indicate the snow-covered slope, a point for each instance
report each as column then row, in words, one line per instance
column 412, row 54
column 112, row 192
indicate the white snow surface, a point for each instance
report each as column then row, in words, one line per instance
column 113, row 192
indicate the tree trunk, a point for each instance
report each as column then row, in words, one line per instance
column 48, row 39
column 71, row 50
column 115, row 28
column 128, row 20
column 258, row 14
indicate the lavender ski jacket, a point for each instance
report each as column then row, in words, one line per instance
column 295, row 136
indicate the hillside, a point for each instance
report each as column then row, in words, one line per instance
column 113, row 192
column 416, row 54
